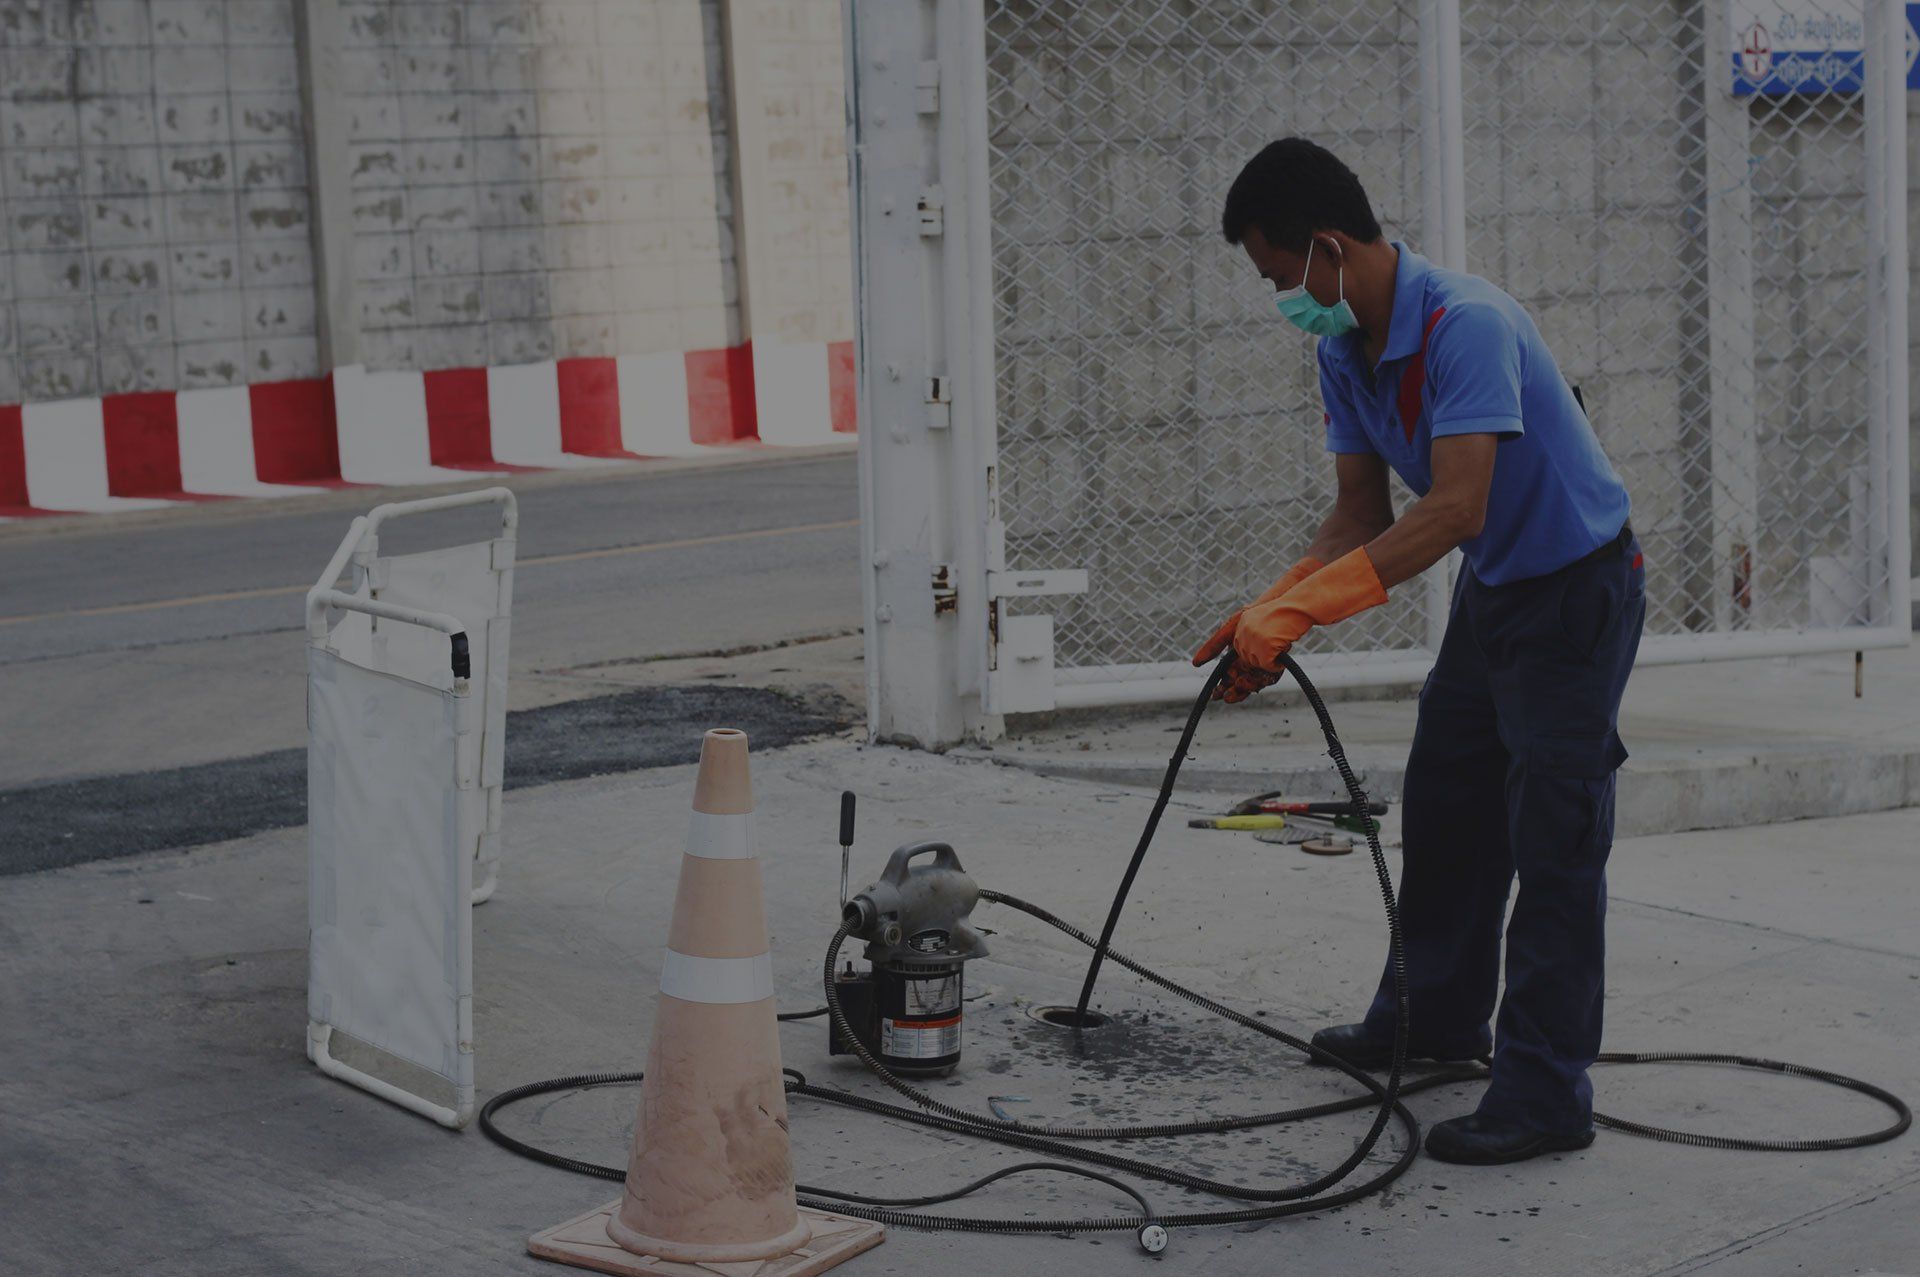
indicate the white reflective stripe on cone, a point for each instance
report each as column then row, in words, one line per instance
column 716, row 980
column 722, row 837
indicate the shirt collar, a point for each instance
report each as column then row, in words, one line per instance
column 1408, row 327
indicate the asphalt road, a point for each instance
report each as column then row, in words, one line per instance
column 153, row 643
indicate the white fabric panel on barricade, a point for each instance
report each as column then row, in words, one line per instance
column 392, row 823
column 474, row 583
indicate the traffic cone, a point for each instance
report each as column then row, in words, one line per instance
column 710, row 1177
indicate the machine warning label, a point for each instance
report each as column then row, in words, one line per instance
column 926, row 1040
column 932, row 997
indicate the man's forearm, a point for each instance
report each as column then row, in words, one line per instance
column 1453, row 510
column 1430, row 529
column 1342, row 533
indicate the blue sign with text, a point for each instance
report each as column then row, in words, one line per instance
column 1787, row 48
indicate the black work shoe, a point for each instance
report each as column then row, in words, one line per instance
column 1354, row 1044
column 1474, row 1140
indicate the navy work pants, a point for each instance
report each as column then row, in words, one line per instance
column 1512, row 773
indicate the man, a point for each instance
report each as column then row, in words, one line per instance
column 1444, row 379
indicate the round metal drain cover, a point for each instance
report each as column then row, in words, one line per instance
column 1070, row 1017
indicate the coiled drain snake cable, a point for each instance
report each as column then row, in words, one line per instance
column 1072, row 1142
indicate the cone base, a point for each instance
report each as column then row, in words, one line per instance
column 583, row 1242
column 707, row 1253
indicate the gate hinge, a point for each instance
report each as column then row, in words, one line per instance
column 939, row 403
column 933, row 218
column 926, row 88
column 946, row 596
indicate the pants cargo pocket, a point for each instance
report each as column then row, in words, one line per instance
column 1576, row 775
column 1576, row 757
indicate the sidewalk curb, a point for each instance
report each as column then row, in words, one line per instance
column 1661, row 790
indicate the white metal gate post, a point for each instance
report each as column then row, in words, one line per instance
column 917, row 146
column 1733, row 428
column 1886, row 107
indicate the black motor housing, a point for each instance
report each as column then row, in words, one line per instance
column 917, row 1016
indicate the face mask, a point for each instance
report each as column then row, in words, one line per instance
column 1297, row 306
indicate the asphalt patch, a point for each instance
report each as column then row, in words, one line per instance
column 107, row 817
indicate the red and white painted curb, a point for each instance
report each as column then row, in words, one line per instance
column 149, row 449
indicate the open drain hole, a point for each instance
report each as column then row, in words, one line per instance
column 1070, row 1017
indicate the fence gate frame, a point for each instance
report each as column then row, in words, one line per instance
column 945, row 662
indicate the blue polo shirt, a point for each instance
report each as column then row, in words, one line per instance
column 1461, row 358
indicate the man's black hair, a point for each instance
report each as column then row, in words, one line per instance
column 1292, row 189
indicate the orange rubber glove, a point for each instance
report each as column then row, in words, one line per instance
column 1223, row 637
column 1343, row 588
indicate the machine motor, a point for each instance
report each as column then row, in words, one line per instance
column 906, row 1010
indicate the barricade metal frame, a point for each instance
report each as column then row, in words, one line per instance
column 407, row 681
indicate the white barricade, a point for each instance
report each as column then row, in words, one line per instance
column 406, row 717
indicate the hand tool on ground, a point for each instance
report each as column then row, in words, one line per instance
column 1255, row 821
column 1274, row 800
column 1351, row 824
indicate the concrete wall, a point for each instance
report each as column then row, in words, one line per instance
column 538, row 181
column 787, row 83
column 154, row 187
column 464, row 232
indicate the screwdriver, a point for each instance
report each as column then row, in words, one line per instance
column 1267, row 820
column 1275, row 820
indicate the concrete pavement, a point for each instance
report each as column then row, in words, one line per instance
column 156, row 1112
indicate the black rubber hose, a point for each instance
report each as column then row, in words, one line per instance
column 1063, row 1141
column 1214, row 677
column 814, row 1014
column 798, row 1085
column 1903, row 1116
column 935, row 1199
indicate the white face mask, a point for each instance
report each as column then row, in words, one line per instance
column 1298, row 307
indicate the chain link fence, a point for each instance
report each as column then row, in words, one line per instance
column 1155, row 426
column 1697, row 258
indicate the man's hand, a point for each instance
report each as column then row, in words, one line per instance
column 1343, row 588
column 1222, row 638
column 1242, row 682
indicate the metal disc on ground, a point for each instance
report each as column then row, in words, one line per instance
column 1337, row 845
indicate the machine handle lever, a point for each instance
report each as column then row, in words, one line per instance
column 896, row 870
column 846, row 840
